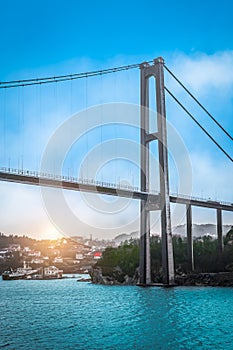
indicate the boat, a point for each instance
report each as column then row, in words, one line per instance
column 25, row 272
column 12, row 275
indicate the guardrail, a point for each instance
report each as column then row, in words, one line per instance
column 44, row 175
column 201, row 199
column 83, row 181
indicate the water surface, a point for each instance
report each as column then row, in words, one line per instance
column 66, row 314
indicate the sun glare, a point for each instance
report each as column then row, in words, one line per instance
column 51, row 234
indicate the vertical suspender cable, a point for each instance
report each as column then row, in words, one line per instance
column 87, row 137
column 101, row 128
column 22, row 131
column 40, row 124
column 4, row 127
column 115, row 131
column 70, row 173
column 18, row 129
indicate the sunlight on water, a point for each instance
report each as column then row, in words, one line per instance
column 66, row 314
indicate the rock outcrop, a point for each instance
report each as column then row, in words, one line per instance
column 117, row 277
column 220, row 279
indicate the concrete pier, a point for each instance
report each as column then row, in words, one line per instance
column 189, row 237
column 219, row 231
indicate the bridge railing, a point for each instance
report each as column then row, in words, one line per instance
column 201, row 199
column 83, row 181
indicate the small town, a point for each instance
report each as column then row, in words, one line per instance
column 53, row 257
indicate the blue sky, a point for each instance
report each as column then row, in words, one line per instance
column 44, row 33
column 40, row 38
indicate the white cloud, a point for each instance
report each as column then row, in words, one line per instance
column 212, row 179
column 201, row 71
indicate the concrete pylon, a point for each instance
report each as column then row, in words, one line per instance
column 155, row 70
column 145, row 265
column 189, row 237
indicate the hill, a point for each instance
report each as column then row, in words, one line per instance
column 180, row 230
column 24, row 241
column 200, row 230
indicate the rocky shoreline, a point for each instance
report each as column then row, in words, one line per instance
column 117, row 279
column 219, row 279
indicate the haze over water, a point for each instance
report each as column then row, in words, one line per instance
column 66, row 314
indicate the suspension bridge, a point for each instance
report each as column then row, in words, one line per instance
column 150, row 200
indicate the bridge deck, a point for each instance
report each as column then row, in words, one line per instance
column 56, row 181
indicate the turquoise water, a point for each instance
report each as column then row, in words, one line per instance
column 66, row 314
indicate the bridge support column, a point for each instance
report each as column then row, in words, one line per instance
column 219, row 231
column 145, row 264
column 189, row 237
column 155, row 70
column 167, row 247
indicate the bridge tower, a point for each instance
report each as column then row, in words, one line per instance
column 147, row 71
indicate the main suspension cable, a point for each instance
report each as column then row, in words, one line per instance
column 194, row 119
column 61, row 78
column 199, row 103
